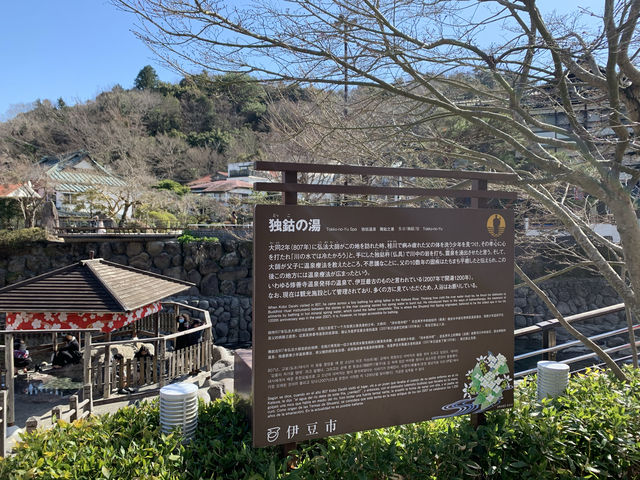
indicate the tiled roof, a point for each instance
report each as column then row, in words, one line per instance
column 89, row 286
column 6, row 190
column 17, row 191
column 70, row 179
column 221, row 186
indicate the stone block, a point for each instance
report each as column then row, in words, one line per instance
column 222, row 329
column 141, row 261
column 233, row 273
column 230, row 260
column 194, row 277
column 189, row 263
column 155, row 248
column 209, row 285
column 105, row 251
column 244, row 286
column 227, row 287
column 162, row 260
column 16, row 265
column 134, row 248
column 208, row 265
column 174, row 272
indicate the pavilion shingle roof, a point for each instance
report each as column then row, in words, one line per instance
column 89, row 286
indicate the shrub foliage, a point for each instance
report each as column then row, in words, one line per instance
column 591, row 432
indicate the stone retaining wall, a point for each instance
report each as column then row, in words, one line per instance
column 222, row 274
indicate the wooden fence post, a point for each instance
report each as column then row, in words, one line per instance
column 160, row 354
column 55, row 413
column 10, row 381
column 549, row 341
column 87, row 388
column 31, row 425
column 73, row 406
column 3, row 423
column 106, row 388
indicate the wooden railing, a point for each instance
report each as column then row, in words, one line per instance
column 76, row 410
column 168, row 363
column 132, row 230
column 550, row 348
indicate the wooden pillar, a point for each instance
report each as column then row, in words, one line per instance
column 289, row 198
column 8, row 361
column 106, row 391
column 156, row 324
column 87, row 387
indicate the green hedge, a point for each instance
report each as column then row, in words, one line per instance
column 12, row 238
column 591, row 432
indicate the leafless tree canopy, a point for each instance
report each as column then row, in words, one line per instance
column 500, row 68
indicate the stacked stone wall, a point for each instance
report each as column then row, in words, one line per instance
column 222, row 274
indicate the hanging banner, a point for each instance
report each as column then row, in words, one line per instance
column 372, row 317
column 107, row 322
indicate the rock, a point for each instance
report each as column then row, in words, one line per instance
column 134, row 248
column 155, row 248
column 520, row 321
column 245, row 249
column 233, row 273
column 616, row 341
column 189, row 263
column 173, row 248
column 222, row 329
column 162, row 260
column 176, row 260
column 229, row 260
column 245, row 302
column 244, row 336
column 3, row 277
column 120, row 259
column 141, row 261
column 229, row 245
column 204, row 395
column 564, row 308
column 227, row 287
column 244, row 286
column 173, row 272
column 204, row 304
column 16, row 265
column 216, row 390
column 194, row 277
column 209, row 285
column 208, row 265
column 105, row 251
column 520, row 302
column 225, row 317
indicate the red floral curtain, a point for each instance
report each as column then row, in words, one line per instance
column 107, row 322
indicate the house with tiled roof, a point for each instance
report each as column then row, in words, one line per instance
column 74, row 174
column 237, row 182
column 18, row 190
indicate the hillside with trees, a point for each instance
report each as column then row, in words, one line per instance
column 174, row 131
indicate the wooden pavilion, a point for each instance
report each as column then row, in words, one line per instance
column 101, row 299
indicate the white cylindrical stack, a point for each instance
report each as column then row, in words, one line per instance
column 553, row 378
column 179, row 408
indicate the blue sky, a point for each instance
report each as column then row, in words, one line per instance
column 72, row 49
column 75, row 49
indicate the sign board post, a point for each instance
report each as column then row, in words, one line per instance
column 369, row 317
